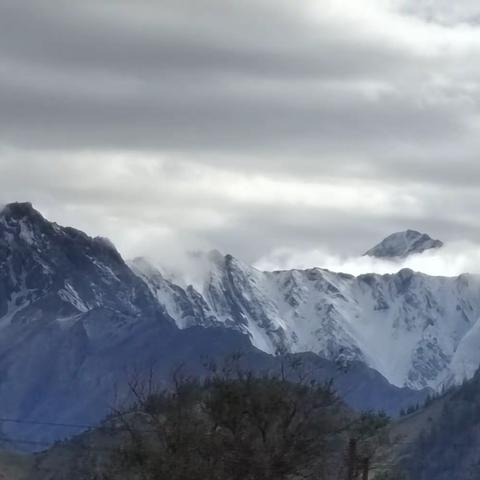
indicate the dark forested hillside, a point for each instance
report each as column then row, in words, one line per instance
column 448, row 446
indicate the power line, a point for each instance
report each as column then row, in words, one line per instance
column 98, row 427
column 50, row 424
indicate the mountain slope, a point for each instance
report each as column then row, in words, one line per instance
column 50, row 272
column 442, row 441
column 76, row 376
column 65, row 300
column 417, row 330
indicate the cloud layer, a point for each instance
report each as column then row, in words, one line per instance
column 451, row 260
column 247, row 126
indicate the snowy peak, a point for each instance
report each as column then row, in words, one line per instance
column 23, row 219
column 403, row 244
column 49, row 272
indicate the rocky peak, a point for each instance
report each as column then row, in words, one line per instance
column 17, row 212
column 403, row 244
column 48, row 271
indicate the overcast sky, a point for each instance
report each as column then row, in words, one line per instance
column 251, row 126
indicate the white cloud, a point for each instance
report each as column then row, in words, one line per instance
column 451, row 260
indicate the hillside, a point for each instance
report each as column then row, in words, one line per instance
column 447, row 445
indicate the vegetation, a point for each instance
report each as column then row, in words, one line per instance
column 237, row 426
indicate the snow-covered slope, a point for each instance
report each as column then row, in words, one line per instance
column 403, row 244
column 415, row 329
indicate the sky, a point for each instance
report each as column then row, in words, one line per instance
column 269, row 129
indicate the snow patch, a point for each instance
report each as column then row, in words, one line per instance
column 70, row 295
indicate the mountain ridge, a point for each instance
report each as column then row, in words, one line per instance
column 426, row 324
column 418, row 331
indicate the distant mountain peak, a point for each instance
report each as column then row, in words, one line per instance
column 403, row 244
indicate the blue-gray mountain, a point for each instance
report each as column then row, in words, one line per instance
column 76, row 323
column 47, row 271
column 403, row 244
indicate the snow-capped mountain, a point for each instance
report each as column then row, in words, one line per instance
column 76, row 322
column 50, row 272
column 403, row 244
column 417, row 330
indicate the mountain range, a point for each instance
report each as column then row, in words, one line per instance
column 77, row 321
column 417, row 330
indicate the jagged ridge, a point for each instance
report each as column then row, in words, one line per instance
column 417, row 330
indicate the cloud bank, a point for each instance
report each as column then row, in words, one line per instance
column 451, row 260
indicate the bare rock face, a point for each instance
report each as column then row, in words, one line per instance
column 403, row 244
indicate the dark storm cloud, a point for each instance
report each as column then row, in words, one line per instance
column 252, row 76
column 246, row 125
column 258, row 37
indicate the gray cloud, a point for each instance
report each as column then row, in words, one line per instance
column 247, row 126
